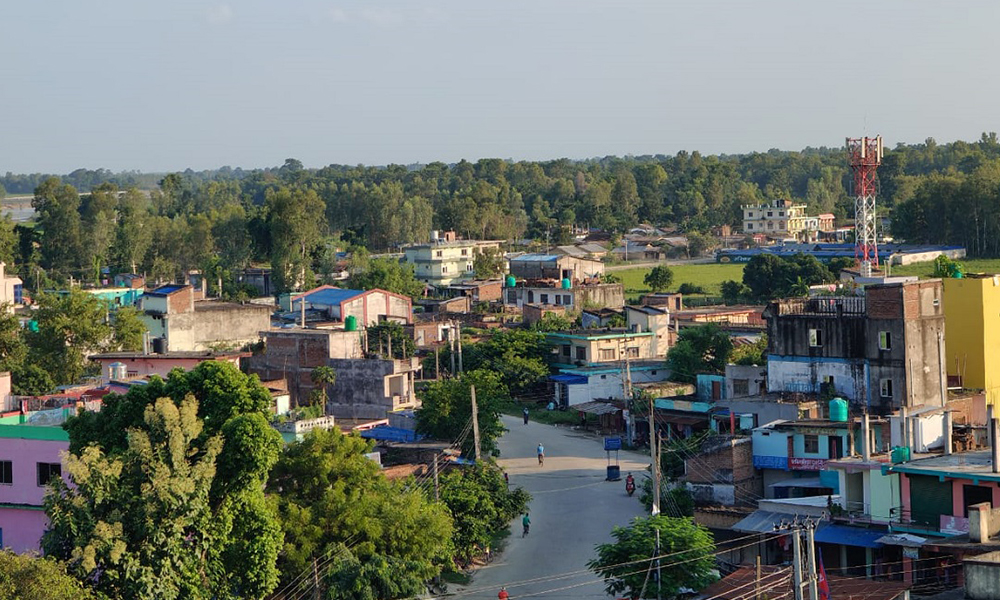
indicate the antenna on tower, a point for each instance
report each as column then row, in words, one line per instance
column 865, row 155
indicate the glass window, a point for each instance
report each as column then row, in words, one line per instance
column 581, row 353
column 607, row 353
column 545, row 299
column 811, row 443
column 749, row 226
column 815, row 338
column 884, row 340
column 741, row 387
column 566, row 350
column 632, row 351
column 47, row 472
column 6, row 472
column 439, row 253
column 885, row 388
column 465, row 252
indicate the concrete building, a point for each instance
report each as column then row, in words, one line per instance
column 369, row 307
column 477, row 290
column 722, row 472
column 140, row 365
column 743, row 381
column 292, row 354
column 779, row 218
column 178, row 323
column 371, row 388
column 972, row 348
column 793, row 455
column 441, row 263
column 573, row 386
column 11, row 289
column 589, row 347
column 577, row 297
column 882, row 351
column 30, row 455
column 555, row 266
column 650, row 319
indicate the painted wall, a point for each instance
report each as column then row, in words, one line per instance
column 210, row 324
column 22, row 528
column 972, row 346
column 609, row 385
column 142, row 366
column 806, row 374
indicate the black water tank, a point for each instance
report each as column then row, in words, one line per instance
column 159, row 345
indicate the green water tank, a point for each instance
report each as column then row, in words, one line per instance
column 351, row 323
column 566, row 283
column 900, row 454
column 511, row 281
column 838, row 410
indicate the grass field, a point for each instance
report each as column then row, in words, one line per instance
column 972, row 265
column 709, row 276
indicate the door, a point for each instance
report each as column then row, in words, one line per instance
column 716, row 390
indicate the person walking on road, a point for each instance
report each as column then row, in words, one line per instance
column 541, row 454
column 526, row 523
column 503, row 595
column 525, row 414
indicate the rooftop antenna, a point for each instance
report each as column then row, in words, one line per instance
column 865, row 156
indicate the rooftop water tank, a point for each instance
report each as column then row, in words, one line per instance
column 566, row 283
column 900, row 454
column 838, row 410
column 117, row 371
column 511, row 281
column 351, row 323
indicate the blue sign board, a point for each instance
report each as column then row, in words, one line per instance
column 770, row 462
column 613, row 443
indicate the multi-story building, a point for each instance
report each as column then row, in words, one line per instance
column 972, row 357
column 368, row 307
column 11, row 289
column 883, row 350
column 576, row 297
column 555, row 266
column 793, row 455
column 784, row 219
column 443, row 262
column 177, row 321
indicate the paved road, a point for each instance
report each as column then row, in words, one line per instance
column 573, row 509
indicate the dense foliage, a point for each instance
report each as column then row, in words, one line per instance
column 371, row 538
column 481, row 506
column 446, row 413
column 702, row 349
column 768, row 276
column 24, row 577
column 624, row 563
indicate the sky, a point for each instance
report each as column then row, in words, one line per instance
column 168, row 85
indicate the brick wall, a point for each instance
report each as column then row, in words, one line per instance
column 884, row 302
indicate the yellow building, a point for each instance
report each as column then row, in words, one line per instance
column 972, row 332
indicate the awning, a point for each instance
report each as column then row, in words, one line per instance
column 568, row 379
column 799, row 482
column 907, row 540
column 761, row 521
column 849, row 536
column 596, row 408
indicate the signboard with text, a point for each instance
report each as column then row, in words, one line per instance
column 612, row 443
column 807, row 464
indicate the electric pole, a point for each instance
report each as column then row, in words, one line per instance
column 654, row 452
column 475, row 420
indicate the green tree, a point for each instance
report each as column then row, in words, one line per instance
column 30, row 380
column 385, row 274
column 481, row 506
column 69, row 327
column 489, row 263
column 447, row 410
column 702, row 349
column 621, row 563
column 553, row 322
column 839, row 263
column 127, row 512
column 57, row 206
column 659, row 278
column 98, row 220
column 9, row 242
column 132, row 234
column 390, row 334
column 28, row 578
column 518, row 356
column 750, row 354
column 296, row 230
column 13, row 349
column 385, row 538
column 127, row 330
column 323, row 376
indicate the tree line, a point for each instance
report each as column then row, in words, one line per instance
column 297, row 219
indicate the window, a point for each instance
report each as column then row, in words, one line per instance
column 770, row 213
column 885, row 388
column 545, row 298
column 567, row 299
column 6, row 472
column 439, row 253
column 465, row 252
column 741, row 387
column 531, row 297
column 607, row 353
column 47, row 472
column 444, row 269
column 781, row 225
column 566, row 350
column 558, row 299
column 749, row 226
column 632, row 352
column 815, row 338
column 781, row 213
column 604, row 376
column 750, row 214
column 884, row 340
column 581, row 353
column 811, row 443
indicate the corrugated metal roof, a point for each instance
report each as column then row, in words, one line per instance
column 536, row 258
column 328, row 296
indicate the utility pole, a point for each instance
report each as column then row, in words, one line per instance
column 458, row 337
column 451, row 347
column 437, row 490
column 475, row 420
column 654, row 452
column 811, row 554
column 658, row 587
column 797, row 563
column 756, row 593
column 316, row 595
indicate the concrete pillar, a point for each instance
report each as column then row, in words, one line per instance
column 866, row 439
column 904, row 430
column 947, row 432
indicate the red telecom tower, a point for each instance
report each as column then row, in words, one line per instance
column 866, row 155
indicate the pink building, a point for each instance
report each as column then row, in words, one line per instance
column 30, row 448
column 138, row 365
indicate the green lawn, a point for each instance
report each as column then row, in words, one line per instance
column 972, row 265
column 709, row 276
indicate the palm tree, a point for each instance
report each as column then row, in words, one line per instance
column 323, row 376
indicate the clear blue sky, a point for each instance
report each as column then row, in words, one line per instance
column 170, row 84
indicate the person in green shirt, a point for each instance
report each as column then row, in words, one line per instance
column 526, row 522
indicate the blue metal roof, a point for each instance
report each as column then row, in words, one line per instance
column 166, row 289
column 570, row 379
column 384, row 433
column 849, row 536
column 328, row 296
column 536, row 258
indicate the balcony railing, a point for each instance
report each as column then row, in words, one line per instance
column 823, row 305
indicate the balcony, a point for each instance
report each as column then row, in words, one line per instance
column 823, row 305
